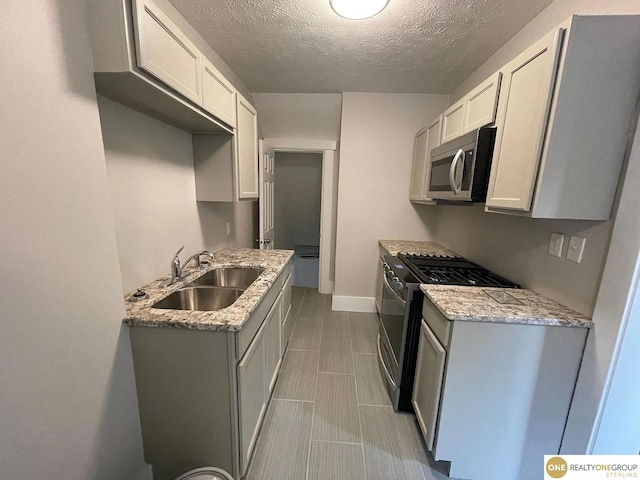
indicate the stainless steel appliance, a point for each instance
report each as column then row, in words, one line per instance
column 459, row 169
column 401, row 312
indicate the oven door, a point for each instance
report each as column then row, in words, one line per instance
column 392, row 320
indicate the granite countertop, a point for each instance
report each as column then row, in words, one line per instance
column 140, row 314
column 394, row 247
column 474, row 304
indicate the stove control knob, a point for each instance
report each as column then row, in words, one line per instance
column 398, row 284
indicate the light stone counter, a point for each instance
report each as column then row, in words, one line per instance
column 475, row 304
column 230, row 318
column 394, row 247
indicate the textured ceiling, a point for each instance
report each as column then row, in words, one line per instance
column 417, row 46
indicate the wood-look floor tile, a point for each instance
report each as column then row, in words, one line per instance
column 297, row 379
column 389, row 452
column 311, row 308
column 335, row 461
column 335, row 323
column 335, row 354
column 364, row 332
column 283, row 447
column 336, row 416
column 369, row 380
column 306, row 336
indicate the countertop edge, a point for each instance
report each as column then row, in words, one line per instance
column 237, row 315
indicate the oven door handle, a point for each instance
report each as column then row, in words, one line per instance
column 397, row 297
column 452, row 171
column 384, row 365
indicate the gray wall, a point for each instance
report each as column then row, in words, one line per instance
column 376, row 152
column 68, row 407
column 298, row 180
column 299, row 115
column 152, row 186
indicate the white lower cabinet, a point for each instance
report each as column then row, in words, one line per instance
column 428, row 384
column 252, row 392
column 274, row 334
column 203, row 395
column 488, row 394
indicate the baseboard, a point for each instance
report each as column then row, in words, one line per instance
column 354, row 304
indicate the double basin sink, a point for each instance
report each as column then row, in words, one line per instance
column 215, row 290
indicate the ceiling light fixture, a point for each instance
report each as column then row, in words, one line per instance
column 358, row 9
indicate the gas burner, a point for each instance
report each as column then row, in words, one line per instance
column 447, row 270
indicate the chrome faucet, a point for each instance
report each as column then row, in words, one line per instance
column 177, row 269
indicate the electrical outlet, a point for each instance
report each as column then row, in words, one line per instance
column 555, row 244
column 576, row 249
column 228, row 229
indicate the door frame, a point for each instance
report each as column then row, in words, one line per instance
column 328, row 202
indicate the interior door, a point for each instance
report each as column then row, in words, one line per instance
column 267, row 170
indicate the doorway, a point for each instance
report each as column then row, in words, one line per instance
column 297, row 209
column 324, row 150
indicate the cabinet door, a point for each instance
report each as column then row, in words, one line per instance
column 287, row 325
column 523, row 112
column 453, row 121
column 247, row 150
column 428, row 383
column 426, row 139
column 165, row 52
column 252, row 399
column 273, row 333
column 419, row 164
column 218, row 95
column 481, row 103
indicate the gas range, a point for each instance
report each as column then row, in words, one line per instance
column 442, row 270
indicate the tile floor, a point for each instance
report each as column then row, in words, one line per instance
column 330, row 417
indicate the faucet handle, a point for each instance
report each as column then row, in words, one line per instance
column 178, row 252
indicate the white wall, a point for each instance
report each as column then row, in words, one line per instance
column 376, row 152
column 299, row 115
column 152, row 186
column 298, row 177
column 68, row 407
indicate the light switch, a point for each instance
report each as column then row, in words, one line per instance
column 576, row 248
column 555, row 244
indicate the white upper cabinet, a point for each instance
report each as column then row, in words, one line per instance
column 565, row 109
column 426, row 139
column 453, row 121
column 524, row 107
column 165, row 52
column 144, row 61
column 218, row 95
column 247, row 150
column 475, row 110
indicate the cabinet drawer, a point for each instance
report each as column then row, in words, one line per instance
column 439, row 325
column 249, row 329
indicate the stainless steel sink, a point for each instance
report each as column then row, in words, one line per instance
column 229, row 277
column 200, row 298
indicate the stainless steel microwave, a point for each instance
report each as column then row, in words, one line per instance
column 459, row 169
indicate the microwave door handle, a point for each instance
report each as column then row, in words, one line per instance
column 452, row 171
